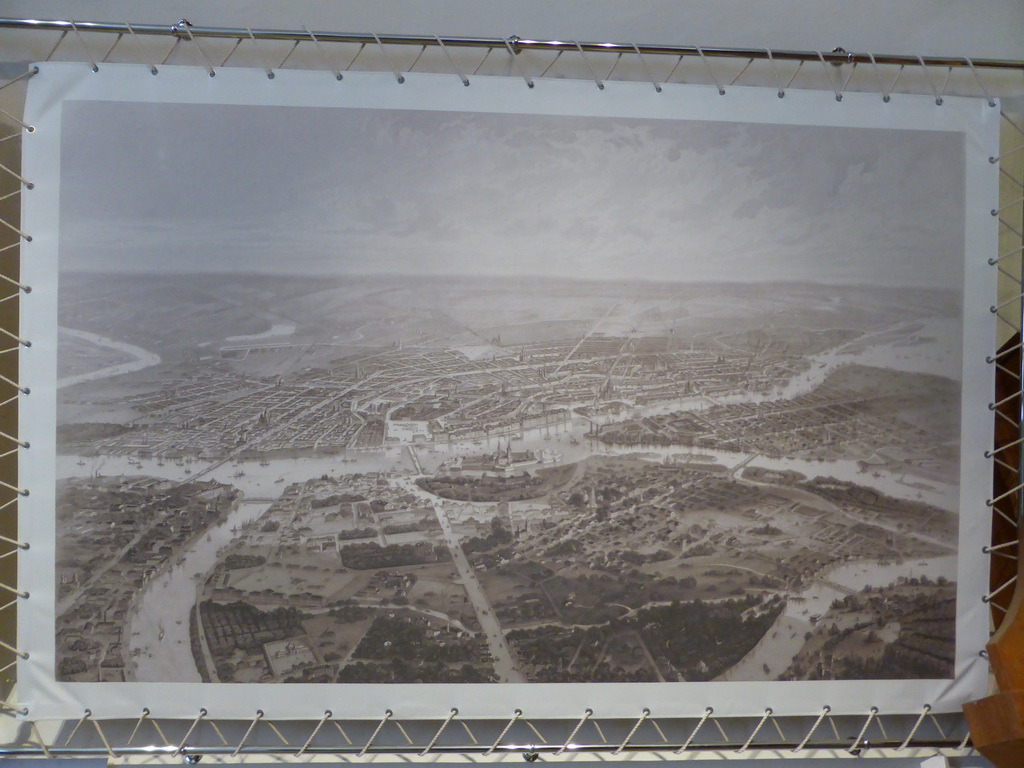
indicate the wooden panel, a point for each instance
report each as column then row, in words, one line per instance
column 997, row 728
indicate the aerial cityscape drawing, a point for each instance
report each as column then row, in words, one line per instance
column 468, row 398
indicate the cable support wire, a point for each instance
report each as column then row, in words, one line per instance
column 757, row 728
column 320, row 48
column 369, row 742
column 14, row 542
column 824, row 713
column 455, row 66
column 1006, row 273
column 977, row 79
column 881, row 727
column 17, row 652
column 1012, row 228
column 936, row 93
column 920, row 719
column 405, row 735
column 615, row 63
column 886, row 91
column 138, row 725
column 184, row 24
column 586, row 716
column 85, row 48
column 202, row 745
column 996, row 547
column 1005, row 465
column 13, row 337
column 344, row 735
column 998, row 158
column 988, row 598
column 469, row 731
column 1009, row 120
column 8, row 486
column 1014, row 326
column 593, row 74
column 248, row 732
column 856, row 746
column 1004, row 555
column 1013, row 179
column 936, row 723
column 142, row 51
column 103, row 738
column 833, row 81
column 636, row 726
column 266, row 66
column 1005, row 303
column 647, row 69
column 184, row 741
column 270, row 725
column 10, row 280
column 26, row 237
column 966, row 739
column 477, row 68
column 86, row 715
column 1005, row 400
column 1004, row 352
column 195, row 753
column 384, row 52
column 23, row 389
column 740, row 74
column 16, row 175
column 693, row 734
column 113, row 45
column 41, row 741
column 1018, row 201
column 280, row 64
column 1011, row 520
column 14, row 590
column 193, row 32
column 216, row 729
column 18, row 120
column 327, row 716
column 13, row 439
column 508, row 726
column 711, row 71
column 433, row 741
column 1005, row 495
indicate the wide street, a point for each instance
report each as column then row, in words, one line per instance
column 503, row 664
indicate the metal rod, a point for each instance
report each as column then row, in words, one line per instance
column 252, row 749
column 518, row 44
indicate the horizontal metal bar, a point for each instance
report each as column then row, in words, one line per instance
column 517, row 43
column 156, row 751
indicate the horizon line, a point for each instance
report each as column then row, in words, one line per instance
column 450, row 275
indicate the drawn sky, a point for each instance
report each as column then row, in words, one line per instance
column 195, row 188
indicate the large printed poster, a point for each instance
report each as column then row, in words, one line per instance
column 495, row 397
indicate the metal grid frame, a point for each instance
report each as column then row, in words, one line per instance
column 385, row 736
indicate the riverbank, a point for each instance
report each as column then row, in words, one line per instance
column 143, row 358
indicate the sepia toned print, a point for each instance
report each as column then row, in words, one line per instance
column 448, row 398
